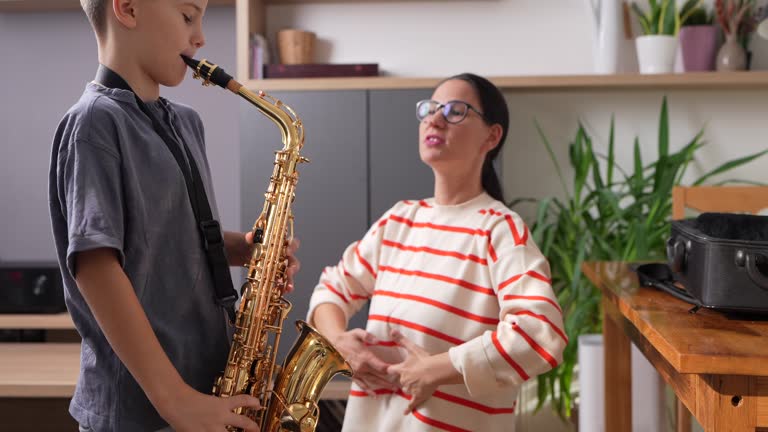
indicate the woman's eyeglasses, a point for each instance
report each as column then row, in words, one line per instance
column 453, row 111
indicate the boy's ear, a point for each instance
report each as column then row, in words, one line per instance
column 125, row 12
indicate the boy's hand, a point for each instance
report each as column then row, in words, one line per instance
column 292, row 264
column 192, row 411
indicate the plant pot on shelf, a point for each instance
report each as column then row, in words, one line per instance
column 698, row 46
column 731, row 56
column 656, row 53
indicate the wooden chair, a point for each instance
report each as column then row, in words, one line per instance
column 721, row 199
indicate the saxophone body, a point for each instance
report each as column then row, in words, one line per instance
column 289, row 393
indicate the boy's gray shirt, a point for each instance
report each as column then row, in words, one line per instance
column 113, row 183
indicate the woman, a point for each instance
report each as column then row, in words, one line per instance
column 462, row 310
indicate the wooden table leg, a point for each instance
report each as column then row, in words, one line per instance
column 727, row 403
column 618, row 371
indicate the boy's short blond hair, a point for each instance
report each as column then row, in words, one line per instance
column 95, row 10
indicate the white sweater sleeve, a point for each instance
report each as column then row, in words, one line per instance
column 529, row 338
column 349, row 284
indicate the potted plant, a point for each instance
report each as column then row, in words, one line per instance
column 609, row 213
column 735, row 18
column 698, row 40
column 657, row 47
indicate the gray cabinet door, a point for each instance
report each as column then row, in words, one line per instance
column 396, row 170
column 331, row 194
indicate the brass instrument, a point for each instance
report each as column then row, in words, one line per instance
column 288, row 395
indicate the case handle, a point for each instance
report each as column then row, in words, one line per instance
column 752, row 261
column 676, row 254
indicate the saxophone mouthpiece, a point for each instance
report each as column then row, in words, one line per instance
column 190, row 61
column 208, row 72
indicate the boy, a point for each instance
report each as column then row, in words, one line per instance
column 136, row 275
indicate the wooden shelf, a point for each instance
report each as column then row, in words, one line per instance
column 59, row 321
column 39, row 369
column 695, row 80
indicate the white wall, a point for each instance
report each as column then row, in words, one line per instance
column 435, row 38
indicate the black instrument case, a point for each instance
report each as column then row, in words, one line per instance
column 722, row 260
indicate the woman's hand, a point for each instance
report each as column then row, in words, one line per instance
column 421, row 373
column 414, row 374
column 370, row 371
column 192, row 411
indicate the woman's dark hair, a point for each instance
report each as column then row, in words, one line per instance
column 495, row 111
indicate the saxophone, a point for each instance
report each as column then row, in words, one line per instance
column 288, row 394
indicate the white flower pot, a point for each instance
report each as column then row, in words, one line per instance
column 648, row 412
column 656, row 53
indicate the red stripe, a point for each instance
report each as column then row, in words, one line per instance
column 491, row 250
column 533, row 298
column 333, row 290
column 344, row 269
column 474, row 405
column 421, row 328
column 515, row 233
column 445, row 396
column 441, row 252
column 383, row 222
column 449, row 228
column 506, row 356
column 424, row 204
column 437, row 424
column 383, row 343
column 363, row 261
column 530, row 273
column 538, row 348
column 546, row 320
column 459, row 282
column 351, row 295
column 490, row 211
column 525, row 234
column 449, row 308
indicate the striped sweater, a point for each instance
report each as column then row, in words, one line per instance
column 467, row 279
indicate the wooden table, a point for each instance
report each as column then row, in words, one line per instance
column 717, row 367
column 58, row 321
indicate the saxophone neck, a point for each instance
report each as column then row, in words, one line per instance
column 282, row 115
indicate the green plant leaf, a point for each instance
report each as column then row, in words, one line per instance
column 645, row 20
column 727, row 166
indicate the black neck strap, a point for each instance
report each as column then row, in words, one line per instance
column 210, row 230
